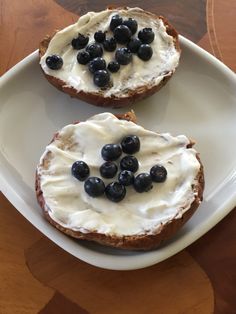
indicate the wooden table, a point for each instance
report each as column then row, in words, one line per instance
column 36, row 275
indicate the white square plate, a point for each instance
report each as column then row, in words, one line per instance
column 199, row 101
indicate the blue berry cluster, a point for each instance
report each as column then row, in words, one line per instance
column 123, row 31
column 116, row 190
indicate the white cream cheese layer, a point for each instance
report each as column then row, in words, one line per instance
column 136, row 74
column 137, row 213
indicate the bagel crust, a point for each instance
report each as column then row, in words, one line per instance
column 131, row 242
column 99, row 98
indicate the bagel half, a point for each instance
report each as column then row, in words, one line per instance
column 132, row 82
column 141, row 228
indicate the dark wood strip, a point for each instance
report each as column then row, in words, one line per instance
column 59, row 304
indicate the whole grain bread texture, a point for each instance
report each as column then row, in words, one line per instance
column 98, row 98
column 142, row 242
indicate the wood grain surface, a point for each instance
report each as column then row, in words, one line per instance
column 37, row 276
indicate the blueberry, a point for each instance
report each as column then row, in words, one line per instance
column 109, row 44
column 129, row 163
column 158, row 173
column 97, row 64
column 116, row 20
column 145, row 52
column 122, row 34
column 134, row 44
column 108, row 169
column 83, row 57
column 111, row 152
column 123, row 56
column 143, row 182
column 54, row 62
column 95, row 50
column 100, row 36
column 94, row 186
column 115, row 192
column 146, row 35
column 126, row 177
column 113, row 66
column 80, row 170
column 130, row 144
column 101, row 78
column 80, row 42
column 131, row 24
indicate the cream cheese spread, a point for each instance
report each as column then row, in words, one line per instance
column 137, row 213
column 134, row 75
